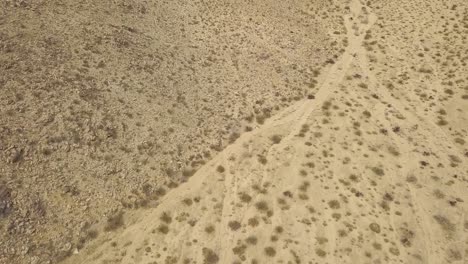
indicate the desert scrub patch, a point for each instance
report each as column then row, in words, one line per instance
column 276, row 139
column 252, row 240
column 378, row 171
column 460, row 141
column 6, row 201
column 233, row 137
column 282, row 204
column 163, row 229
column 288, row 194
column 187, row 201
column 336, row 216
column 87, row 236
column 445, row 224
column 279, row 229
column 261, row 206
column 92, row 234
column 334, row 204
column 166, row 218
column 249, row 118
column 392, row 150
column 46, row 151
column 377, row 246
column 262, row 159
column 374, row 227
column 438, row 194
column 209, row 256
column 253, row 222
column 394, row 251
column 160, row 191
column 366, row 113
column 114, row 221
column 454, row 160
column 260, row 119
column 304, row 186
column 239, row 250
column 234, row 225
column 363, row 85
column 326, row 105
column 304, row 130
column 442, row 122
column 270, row 251
column 188, row 172
column 220, row 169
column 321, row 240
column 274, row 238
column 342, row 233
column 406, row 237
column 245, row 197
column 209, row 229
column 259, row 189
column 320, row 252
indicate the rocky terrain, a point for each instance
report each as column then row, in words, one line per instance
column 234, row 132
column 107, row 105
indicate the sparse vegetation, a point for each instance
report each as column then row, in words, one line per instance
column 276, row 139
column 270, row 251
column 209, row 229
column 163, row 229
column 261, row 206
column 378, row 171
column 234, row 225
column 209, row 256
column 357, row 112
column 220, row 169
column 245, row 197
column 375, row 227
column 114, row 221
column 252, row 240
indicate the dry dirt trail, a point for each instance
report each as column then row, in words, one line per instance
column 285, row 193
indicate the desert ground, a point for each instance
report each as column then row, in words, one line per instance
column 218, row 131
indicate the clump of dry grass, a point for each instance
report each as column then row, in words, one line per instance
column 163, row 229
column 252, row 240
column 270, row 251
column 114, row 221
column 378, row 171
column 245, row 197
column 445, row 224
column 234, row 225
column 276, row 139
column 220, row 169
column 334, row 204
column 261, row 206
column 209, row 229
column 262, row 159
column 253, row 222
column 166, row 218
column 209, row 256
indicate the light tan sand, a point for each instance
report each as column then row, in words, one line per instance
column 317, row 183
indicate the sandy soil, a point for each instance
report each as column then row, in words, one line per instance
column 105, row 106
column 354, row 153
column 353, row 175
